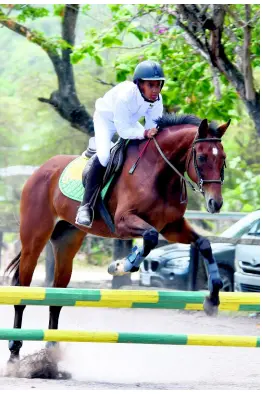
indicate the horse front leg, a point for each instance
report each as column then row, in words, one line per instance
column 181, row 231
column 132, row 226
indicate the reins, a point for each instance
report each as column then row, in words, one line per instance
column 174, row 168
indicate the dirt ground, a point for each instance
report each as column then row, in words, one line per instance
column 133, row 366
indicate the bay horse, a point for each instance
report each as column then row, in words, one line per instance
column 143, row 204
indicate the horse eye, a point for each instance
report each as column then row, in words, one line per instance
column 202, row 159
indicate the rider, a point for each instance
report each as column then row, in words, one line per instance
column 119, row 111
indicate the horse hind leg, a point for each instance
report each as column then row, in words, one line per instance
column 66, row 240
column 33, row 241
column 14, row 346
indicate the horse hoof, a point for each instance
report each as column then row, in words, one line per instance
column 209, row 307
column 116, row 268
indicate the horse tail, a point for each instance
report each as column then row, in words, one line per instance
column 14, row 266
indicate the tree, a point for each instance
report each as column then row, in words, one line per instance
column 65, row 99
column 59, row 50
column 181, row 37
column 206, row 50
column 222, row 35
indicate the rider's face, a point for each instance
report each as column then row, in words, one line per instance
column 150, row 89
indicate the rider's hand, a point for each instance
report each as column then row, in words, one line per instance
column 150, row 133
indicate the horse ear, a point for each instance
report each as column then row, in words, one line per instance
column 203, row 129
column 222, row 129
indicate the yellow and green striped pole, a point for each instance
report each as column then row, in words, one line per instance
column 129, row 337
column 15, row 295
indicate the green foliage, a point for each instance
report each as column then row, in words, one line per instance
column 86, row 8
column 59, row 10
column 190, row 82
column 122, row 71
column 236, row 27
column 110, row 40
column 242, row 175
column 31, row 131
column 30, row 12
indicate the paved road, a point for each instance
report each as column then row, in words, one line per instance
column 129, row 366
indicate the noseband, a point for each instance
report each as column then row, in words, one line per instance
column 200, row 181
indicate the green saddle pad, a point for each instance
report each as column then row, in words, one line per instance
column 70, row 182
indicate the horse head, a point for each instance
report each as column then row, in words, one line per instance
column 206, row 162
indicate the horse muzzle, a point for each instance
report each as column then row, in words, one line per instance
column 213, row 206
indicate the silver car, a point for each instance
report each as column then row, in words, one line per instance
column 247, row 263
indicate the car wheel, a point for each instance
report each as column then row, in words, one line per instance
column 156, row 282
column 227, row 279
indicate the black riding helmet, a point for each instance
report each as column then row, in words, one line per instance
column 149, row 71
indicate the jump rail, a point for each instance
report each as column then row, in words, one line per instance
column 12, row 295
column 127, row 337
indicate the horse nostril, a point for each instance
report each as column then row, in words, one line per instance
column 214, row 205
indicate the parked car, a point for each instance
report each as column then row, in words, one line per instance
column 247, row 263
column 168, row 266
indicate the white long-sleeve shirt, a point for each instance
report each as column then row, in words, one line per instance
column 123, row 106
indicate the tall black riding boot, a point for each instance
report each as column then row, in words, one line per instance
column 94, row 178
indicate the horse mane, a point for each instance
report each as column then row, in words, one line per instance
column 172, row 119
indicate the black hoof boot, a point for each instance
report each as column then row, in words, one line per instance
column 211, row 303
column 14, row 347
column 209, row 307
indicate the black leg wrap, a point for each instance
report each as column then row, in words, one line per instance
column 150, row 241
column 15, row 346
column 204, row 247
column 214, row 280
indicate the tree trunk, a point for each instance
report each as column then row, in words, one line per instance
column 212, row 48
column 253, row 108
column 121, row 249
column 69, row 107
column 65, row 100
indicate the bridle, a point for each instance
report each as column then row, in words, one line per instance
column 200, row 181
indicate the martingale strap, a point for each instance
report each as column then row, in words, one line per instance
column 173, row 167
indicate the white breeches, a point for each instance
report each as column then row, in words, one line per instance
column 104, row 131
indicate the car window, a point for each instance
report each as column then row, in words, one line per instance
column 255, row 229
column 242, row 227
